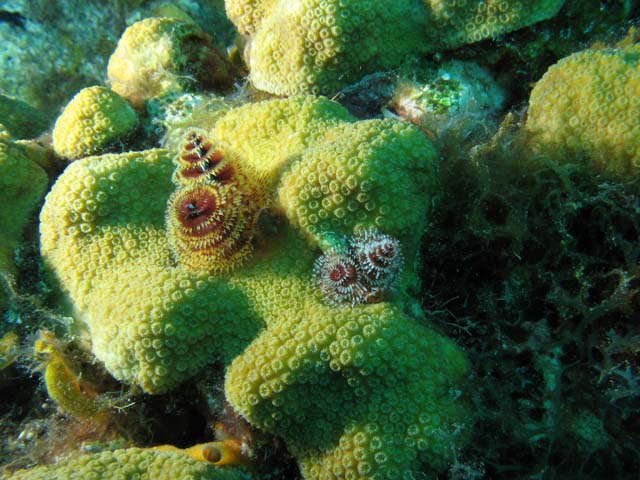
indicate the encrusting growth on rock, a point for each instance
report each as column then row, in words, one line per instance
column 159, row 56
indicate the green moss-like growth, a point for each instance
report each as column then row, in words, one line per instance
column 545, row 251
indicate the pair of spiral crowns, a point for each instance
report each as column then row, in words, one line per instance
column 212, row 215
column 364, row 272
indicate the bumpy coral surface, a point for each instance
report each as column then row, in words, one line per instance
column 93, row 119
column 334, row 172
column 356, row 392
column 458, row 22
column 154, row 325
column 373, row 387
column 22, row 186
column 129, row 463
column 589, row 104
column 157, row 56
column 321, row 45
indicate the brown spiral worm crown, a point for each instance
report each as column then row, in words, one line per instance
column 200, row 160
column 379, row 256
column 209, row 226
column 339, row 278
column 212, row 215
column 364, row 272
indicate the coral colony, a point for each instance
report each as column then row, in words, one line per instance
column 320, row 239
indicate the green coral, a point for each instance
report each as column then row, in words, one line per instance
column 93, row 119
column 21, row 119
column 373, row 387
column 319, row 46
column 22, row 186
column 129, row 463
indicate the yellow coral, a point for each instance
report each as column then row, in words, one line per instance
column 157, row 56
column 249, row 14
column 156, row 325
column 360, row 175
column 357, row 391
column 268, row 136
column 467, row 21
column 93, row 119
column 129, row 463
column 22, row 186
column 331, row 174
column 94, row 224
column 319, row 46
column 589, row 103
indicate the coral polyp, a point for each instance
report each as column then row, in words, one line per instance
column 207, row 228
